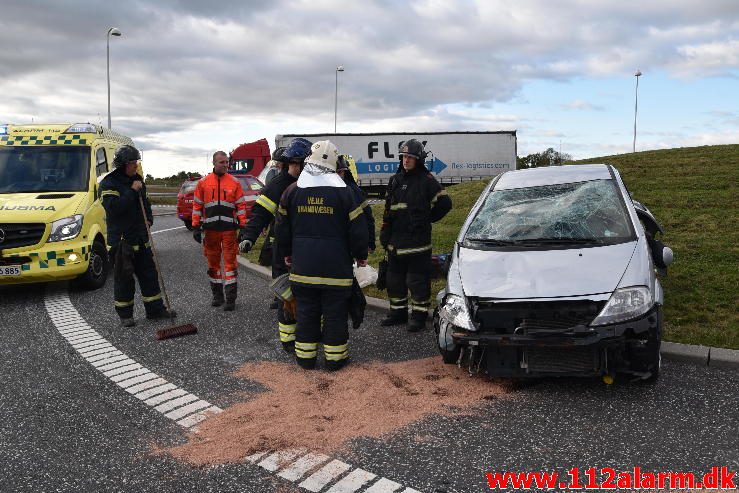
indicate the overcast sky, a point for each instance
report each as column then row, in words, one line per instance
column 189, row 77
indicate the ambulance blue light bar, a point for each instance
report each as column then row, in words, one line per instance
column 81, row 128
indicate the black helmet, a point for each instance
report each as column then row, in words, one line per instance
column 125, row 154
column 277, row 155
column 413, row 148
column 342, row 163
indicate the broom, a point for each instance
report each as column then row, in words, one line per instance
column 175, row 330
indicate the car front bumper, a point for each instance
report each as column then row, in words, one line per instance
column 580, row 351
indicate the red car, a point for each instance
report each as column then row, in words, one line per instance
column 252, row 189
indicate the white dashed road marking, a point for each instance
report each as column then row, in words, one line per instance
column 315, row 472
column 177, row 404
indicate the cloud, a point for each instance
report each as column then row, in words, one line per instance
column 420, row 64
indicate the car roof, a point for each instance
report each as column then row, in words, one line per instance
column 552, row 175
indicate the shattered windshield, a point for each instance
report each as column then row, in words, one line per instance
column 44, row 169
column 577, row 213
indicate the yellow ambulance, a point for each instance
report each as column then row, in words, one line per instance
column 52, row 223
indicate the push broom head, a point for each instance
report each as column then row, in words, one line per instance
column 176, row 331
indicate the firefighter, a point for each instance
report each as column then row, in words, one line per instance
column 344, row 170
column 120, row 191
column 413, row 201
column 320, row 229
column 219, row 206
column 262, row 216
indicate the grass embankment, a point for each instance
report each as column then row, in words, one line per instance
column 693, row 193
column 159, row 200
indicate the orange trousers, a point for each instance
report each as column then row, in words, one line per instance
column 217, row 244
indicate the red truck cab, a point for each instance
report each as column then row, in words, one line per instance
column 250, row 158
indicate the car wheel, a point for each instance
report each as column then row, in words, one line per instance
column 449, row 356
column 97, row 268
column 188, row 225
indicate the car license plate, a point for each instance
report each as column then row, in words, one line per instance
column 10, row 270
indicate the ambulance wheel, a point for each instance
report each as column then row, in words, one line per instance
column 188, row 225
column 97, row 268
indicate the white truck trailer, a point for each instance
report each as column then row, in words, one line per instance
column 454, row 157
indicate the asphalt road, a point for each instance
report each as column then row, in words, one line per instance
column 66, row 427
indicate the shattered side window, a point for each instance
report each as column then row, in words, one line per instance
column 590, row 210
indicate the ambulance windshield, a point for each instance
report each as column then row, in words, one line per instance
column 44, row 169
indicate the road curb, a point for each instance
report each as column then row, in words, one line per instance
column 673, row 351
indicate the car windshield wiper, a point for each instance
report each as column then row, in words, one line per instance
column 493, row 241
column 560, row 241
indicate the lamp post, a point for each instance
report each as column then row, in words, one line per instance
column 637, row 74
column 113, row 31
column 340, row 68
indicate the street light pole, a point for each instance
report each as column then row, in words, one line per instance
column 113, row 31
column 340, row 68
column 636, row 105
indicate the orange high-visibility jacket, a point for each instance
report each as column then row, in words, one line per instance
column 219, row 203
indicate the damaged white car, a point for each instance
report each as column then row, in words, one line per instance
column 554, row 273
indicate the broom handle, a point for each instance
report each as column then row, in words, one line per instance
column 154, row 251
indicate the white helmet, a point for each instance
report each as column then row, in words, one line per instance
column 324, row 154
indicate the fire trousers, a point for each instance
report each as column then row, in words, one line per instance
column 146, row 272
column 217, row 245
column 412, row 272
column 314, row 303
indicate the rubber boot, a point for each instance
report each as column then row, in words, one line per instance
column 396, row 317
column 289, row 347
column 230, row 290
column 417, row 321
column 217, row 290
column 128, row 322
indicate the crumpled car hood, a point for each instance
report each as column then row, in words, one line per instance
column 543, row 273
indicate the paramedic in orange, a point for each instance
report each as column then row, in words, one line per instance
column 218, row 212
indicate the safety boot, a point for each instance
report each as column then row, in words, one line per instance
column 336, row 365
column 396, row 317
column 217, row 290
column 417, row 322
column 289, row 347
column 128, row 322
column 230, row 290
column 306, row 363
column 163, row 313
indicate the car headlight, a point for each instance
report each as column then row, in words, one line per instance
column 66, row 229
column 455, row 311
column 625, row 304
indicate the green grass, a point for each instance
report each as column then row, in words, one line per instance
column 163, row 200
column 693, row 193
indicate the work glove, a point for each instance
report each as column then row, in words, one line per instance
column 245, row 246
column 197, row 235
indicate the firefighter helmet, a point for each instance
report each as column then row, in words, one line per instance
column 278, row 153
column 324, row 154
column 125, row 154
column 298, row 149
column 413, row 148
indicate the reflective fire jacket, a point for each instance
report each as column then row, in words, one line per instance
column 219, row 203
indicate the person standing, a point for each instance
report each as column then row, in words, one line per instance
column 122, row 192
column 413, row 201
column 262, row 216
column 320, row 229
column 219, row 206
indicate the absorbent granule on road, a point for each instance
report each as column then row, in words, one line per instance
column 321, row 411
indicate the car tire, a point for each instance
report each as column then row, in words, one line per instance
column 447, row 356
column 652, row 359
column 188, row 225
column 97, row 268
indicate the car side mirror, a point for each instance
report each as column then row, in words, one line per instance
column 667, row 256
